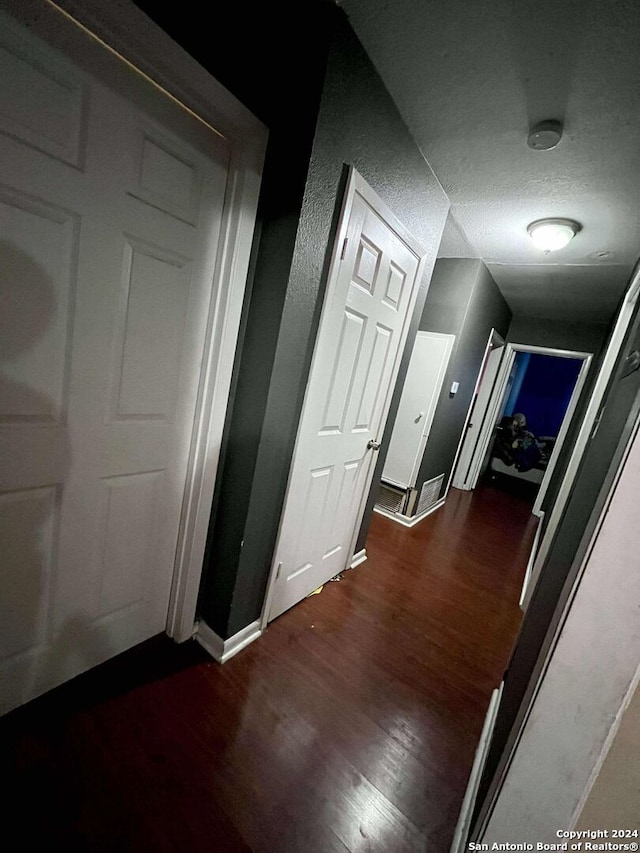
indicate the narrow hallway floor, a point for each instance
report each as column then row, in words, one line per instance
column 350, row 725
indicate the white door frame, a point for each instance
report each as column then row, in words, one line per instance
column 496, row 402
column 494, row 341
column 127, row 32
column 355, row 183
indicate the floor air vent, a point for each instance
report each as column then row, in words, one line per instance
column 429, row 493
column 391, row 499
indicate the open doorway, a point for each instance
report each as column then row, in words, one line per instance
column 523, row 402
column 522, row 419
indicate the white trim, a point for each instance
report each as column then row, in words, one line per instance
column 531, row 561
column 490, row 417
column 355, row 184
column 408, row 521
column 223, row 650
column 606, row 746
column 358, row 558
column 224, row 323
column 562, row 434
column 126, row 31
column 554, row 351
column 459, row 844
column 499, row 342
column 589, row 422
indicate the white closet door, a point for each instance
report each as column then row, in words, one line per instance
column 109, row 229
column 368, row 305
column 427, row 369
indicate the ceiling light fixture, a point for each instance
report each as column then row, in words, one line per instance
column 549, row 235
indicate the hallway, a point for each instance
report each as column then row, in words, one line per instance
column 351, row 725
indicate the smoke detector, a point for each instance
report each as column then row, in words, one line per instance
column 545, row 135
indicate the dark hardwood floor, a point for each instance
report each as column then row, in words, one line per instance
column 350, row 725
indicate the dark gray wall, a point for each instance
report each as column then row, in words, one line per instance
column 444, row 311
column 357, row 124
column 465, row 301
column 449, row 295
column 487, row 309
column 280, row 67
column 584, row 337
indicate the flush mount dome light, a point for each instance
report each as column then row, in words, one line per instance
column 553, row 234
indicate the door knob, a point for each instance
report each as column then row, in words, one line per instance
column 373, row 445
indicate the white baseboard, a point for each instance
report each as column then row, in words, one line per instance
column 358, row 557
column 405, row 520
column 221, row 649
column 460, row 842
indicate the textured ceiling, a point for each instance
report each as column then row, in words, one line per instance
column 470, row 78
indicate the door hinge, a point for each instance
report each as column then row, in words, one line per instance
column 278, row 570
column 344, row 248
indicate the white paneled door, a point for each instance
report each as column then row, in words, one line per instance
column 110, row 212
column 370, row 297
column 422, row 386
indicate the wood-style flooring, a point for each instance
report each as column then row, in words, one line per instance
column 350, row 725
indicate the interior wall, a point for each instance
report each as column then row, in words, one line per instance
column 305, row 173
column 268, row 87
column 614, row 799
column 448, row 299
column 345, row 117
column 444, row 311
column 486, row 309
column 583, row 337
column 463, row 300
column 589, row 678
column 376, row 142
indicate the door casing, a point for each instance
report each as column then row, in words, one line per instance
column 495, row 340
column 496, row 402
